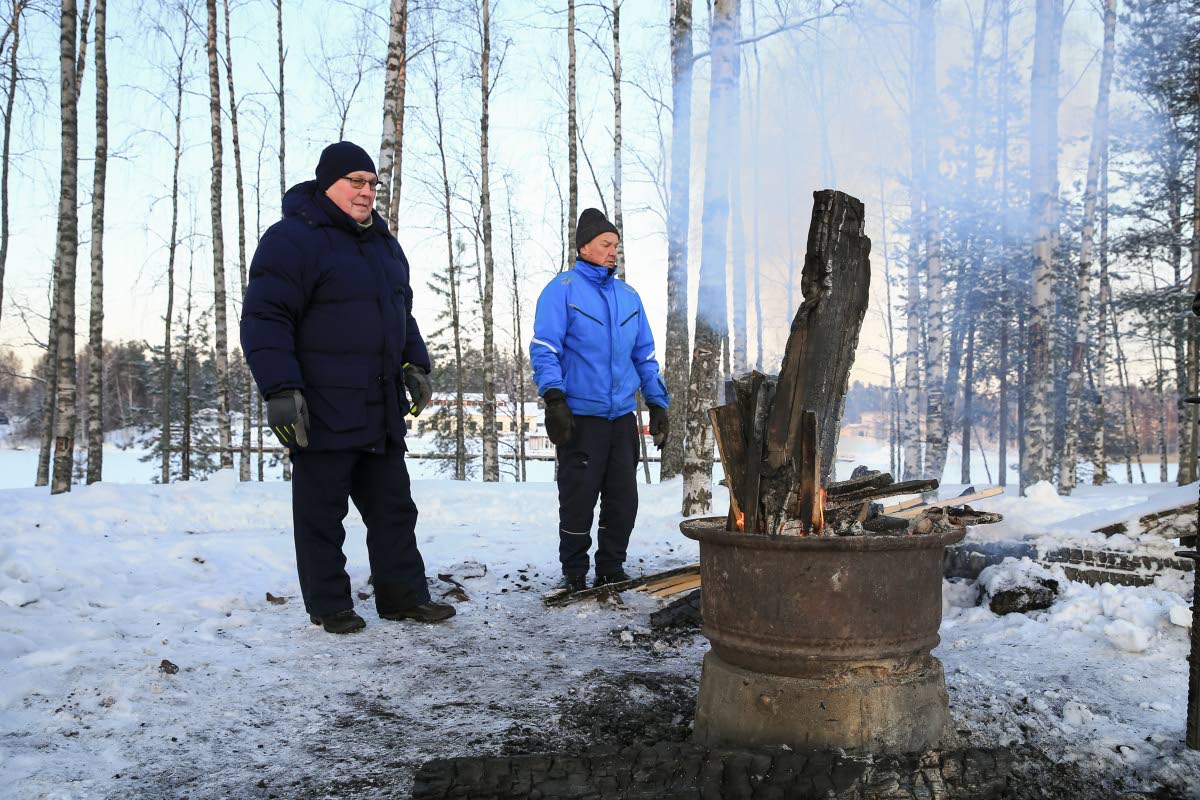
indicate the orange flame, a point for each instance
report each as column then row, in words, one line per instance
column 740, row 524
column 819, row 512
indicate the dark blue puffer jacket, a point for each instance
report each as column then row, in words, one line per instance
column 591, row 340
column 329, row 311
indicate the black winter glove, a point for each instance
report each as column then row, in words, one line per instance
column 287, row 416
column 1196, row 304
column 560, row 422
column 420, row 390
column 660, row 424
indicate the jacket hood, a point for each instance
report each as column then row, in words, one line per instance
column 307, row 201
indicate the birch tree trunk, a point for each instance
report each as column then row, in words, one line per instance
column 522, row 382
column 391, row 93
column 279, row 95
column 1066, row 473
column 912, row 307
column 936, row 438
column 168, row 373
column 247, row 381
column 95, row 418
column 65, row 255
column 737, row 226
column 287, row 462
column 754, row 213
column 491, row 455
column 1100, row 474
column 618, row 217
column 10, row 96
column 398, row 159
column 572, row 140
column 460, row 448
column 1038, row 433
column 675, row 366
column 218, row 245
column 50, row 400
column 711, row 324
column 1005, row 292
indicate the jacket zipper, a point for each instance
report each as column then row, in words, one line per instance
column 631, row 316
column 589, row 316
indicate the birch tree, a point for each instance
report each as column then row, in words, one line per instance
column 491, row 460
column 936, row 439
column 218, row 243
column 618, row 217
column 1038, row 433
column 393, row 112
column 460, row 445
column 675, row 366
column 912, row 358
column 10, row 53
column 572, row 140
column 66, row 253
column 181, row 55
column 710, row 316
column 247, row 384
column 1066, row 473
column 95, row 417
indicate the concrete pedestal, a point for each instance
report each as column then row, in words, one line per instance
column 861, row 708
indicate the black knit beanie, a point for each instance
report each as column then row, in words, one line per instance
column 339, row 160
column 592, row 223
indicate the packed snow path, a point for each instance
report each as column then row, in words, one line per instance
column 99, row 587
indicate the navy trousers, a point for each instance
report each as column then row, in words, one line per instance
column 378, row 483
column 599, row 461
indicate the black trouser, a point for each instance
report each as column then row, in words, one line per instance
column 378, row 484
column 599, row 460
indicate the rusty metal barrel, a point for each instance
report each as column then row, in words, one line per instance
column 821, row 641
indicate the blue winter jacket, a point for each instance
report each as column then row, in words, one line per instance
column 329, row 311
column 591, row 340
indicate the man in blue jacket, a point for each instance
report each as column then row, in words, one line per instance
column 591, row 351
column 328, row 332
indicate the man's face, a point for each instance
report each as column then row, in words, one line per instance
column 355, row 202
column 602, row 250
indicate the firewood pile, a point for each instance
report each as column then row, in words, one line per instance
column 778, row 437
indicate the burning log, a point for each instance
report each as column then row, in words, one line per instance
column 777, row 439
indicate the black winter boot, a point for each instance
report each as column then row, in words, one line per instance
column 620, row 576
column 422, row 612
column 339, row 621
column 572, row 583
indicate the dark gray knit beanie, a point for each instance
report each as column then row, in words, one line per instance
column 592, row 223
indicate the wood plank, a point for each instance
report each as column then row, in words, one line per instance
column 731, row 442
column 668, row 582
column 761, row 390
column 878, row 493
column 558, row 597
column 903, row 504
column 874, row 481
column 914, row 511
column 679, row 588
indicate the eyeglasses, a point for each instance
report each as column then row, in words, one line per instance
column 359, row 183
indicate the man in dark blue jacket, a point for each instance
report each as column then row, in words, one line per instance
column 591, row 351
column 328, row 332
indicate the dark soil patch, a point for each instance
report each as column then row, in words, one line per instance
column 614, row 711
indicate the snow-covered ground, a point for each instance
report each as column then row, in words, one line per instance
column 100, row 587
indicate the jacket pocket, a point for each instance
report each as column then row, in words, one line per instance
column 586, row 314
column 336, row 392
column 632, row 316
